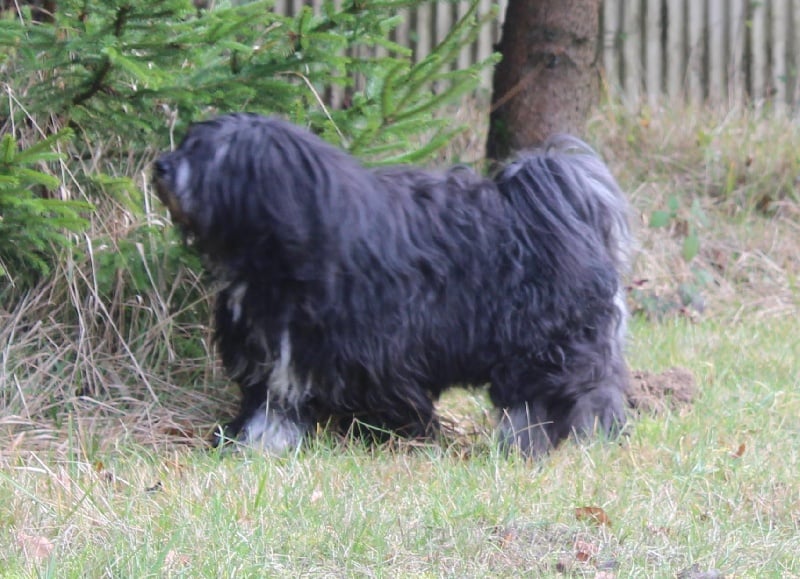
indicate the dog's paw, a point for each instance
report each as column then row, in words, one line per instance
column 271, row 431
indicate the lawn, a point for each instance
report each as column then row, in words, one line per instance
column 104, row 473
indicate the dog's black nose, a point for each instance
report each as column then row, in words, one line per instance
column 161, row 168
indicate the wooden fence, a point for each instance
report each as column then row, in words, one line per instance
column 720, row 51
column 428, row 25
column 703, row 50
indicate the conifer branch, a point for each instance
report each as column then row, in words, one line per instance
column 98, row 81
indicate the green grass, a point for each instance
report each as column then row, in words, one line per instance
column 108, row 388
column 675, row 491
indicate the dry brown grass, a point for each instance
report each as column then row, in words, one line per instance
column 74, row 360
column 735, row 177
column 112, row 364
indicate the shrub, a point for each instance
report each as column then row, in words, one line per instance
column 127, row 76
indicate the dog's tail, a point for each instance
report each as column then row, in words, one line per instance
column 564, row 187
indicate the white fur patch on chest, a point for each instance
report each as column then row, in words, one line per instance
column 283, row 382
column 235, row 298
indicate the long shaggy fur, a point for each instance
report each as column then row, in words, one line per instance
column 352, row 293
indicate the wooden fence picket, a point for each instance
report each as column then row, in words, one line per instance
column 716, row 51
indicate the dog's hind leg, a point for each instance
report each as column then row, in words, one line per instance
column 535, row 428
column 600, row 410
column 526, row 421
column 583, row 401
column 528, row 427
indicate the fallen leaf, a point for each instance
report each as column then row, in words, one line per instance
column 739, row 451
column 246, row 523
column 592, row 514
column 103, row 474
column 663, row 531
column 564, row 565
column 35, row 546
column 507, row 536
column 585, row 551
column 175, row 559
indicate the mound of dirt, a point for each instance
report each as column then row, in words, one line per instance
column 657, row 392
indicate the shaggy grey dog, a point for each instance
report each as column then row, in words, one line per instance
column 354, row 295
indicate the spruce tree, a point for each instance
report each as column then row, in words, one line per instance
column 120, row 79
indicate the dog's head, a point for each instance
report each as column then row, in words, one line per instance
column 241, row 183
column 229, row 179
column 197, row 181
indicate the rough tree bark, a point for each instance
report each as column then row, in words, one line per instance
column 548, row 78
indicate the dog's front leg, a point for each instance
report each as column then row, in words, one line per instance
column 272, row 427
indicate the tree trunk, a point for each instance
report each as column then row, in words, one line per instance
column 548, row 78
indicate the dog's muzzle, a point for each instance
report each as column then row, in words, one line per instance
column 163, row 179
column 161, row 168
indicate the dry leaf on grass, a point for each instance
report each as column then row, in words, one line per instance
column 35, row 546
column 593, row 515
column 103, row 474
column 659, row 530
column 175, row 559
column 585, row 551
column 507, row 536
